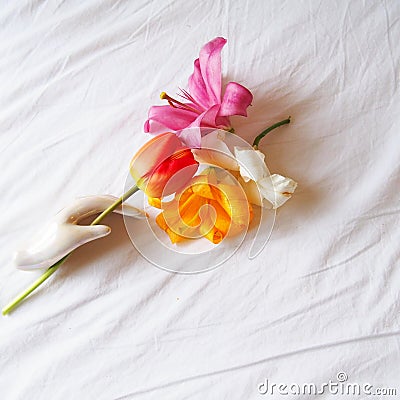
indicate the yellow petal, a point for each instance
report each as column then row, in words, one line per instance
column 154, row 202
column 203, row 190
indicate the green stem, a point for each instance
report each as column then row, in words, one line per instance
column 272, row 127
column 15, row 303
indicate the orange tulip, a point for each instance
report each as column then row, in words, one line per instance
column 208, row 207
column 163, row 165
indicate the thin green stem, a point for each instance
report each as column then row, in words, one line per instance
column 15, row 303
column 268, row 130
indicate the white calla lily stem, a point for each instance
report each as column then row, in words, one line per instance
column 50, row 271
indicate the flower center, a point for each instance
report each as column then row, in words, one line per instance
column 177, row 104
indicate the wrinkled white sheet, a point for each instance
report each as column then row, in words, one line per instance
column 76, row 80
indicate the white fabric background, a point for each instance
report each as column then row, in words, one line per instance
column 76, row 80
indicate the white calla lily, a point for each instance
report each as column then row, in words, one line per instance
column 63, row 234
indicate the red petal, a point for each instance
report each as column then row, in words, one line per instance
column 162, row 164
column 172, row 174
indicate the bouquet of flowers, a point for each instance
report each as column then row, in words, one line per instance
column 203, row 179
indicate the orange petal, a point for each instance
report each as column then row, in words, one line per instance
column 190, row 213
column 223, row 221
column 214, row 235
column 183, row 218
column 227, row 209
column 173, row 236
column 160, row 220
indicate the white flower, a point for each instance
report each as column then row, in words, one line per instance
column 63, row 234
column 262, row 188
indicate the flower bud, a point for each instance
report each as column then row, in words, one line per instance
column 163, row 165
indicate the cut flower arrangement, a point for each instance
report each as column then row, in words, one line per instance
column 195, row 170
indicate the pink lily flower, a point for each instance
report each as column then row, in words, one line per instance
column 203, row 104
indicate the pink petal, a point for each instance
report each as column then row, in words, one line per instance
column 236, row 100
column 205, row 82
column 197, row 87
column 207, row 118
column 223, row 122
column 191, row 136
column 172, row 118
column 147, row 126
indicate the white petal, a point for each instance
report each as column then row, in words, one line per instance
column 277, row 189
column 214, row 151
column 253, row 193
column 251, row 164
